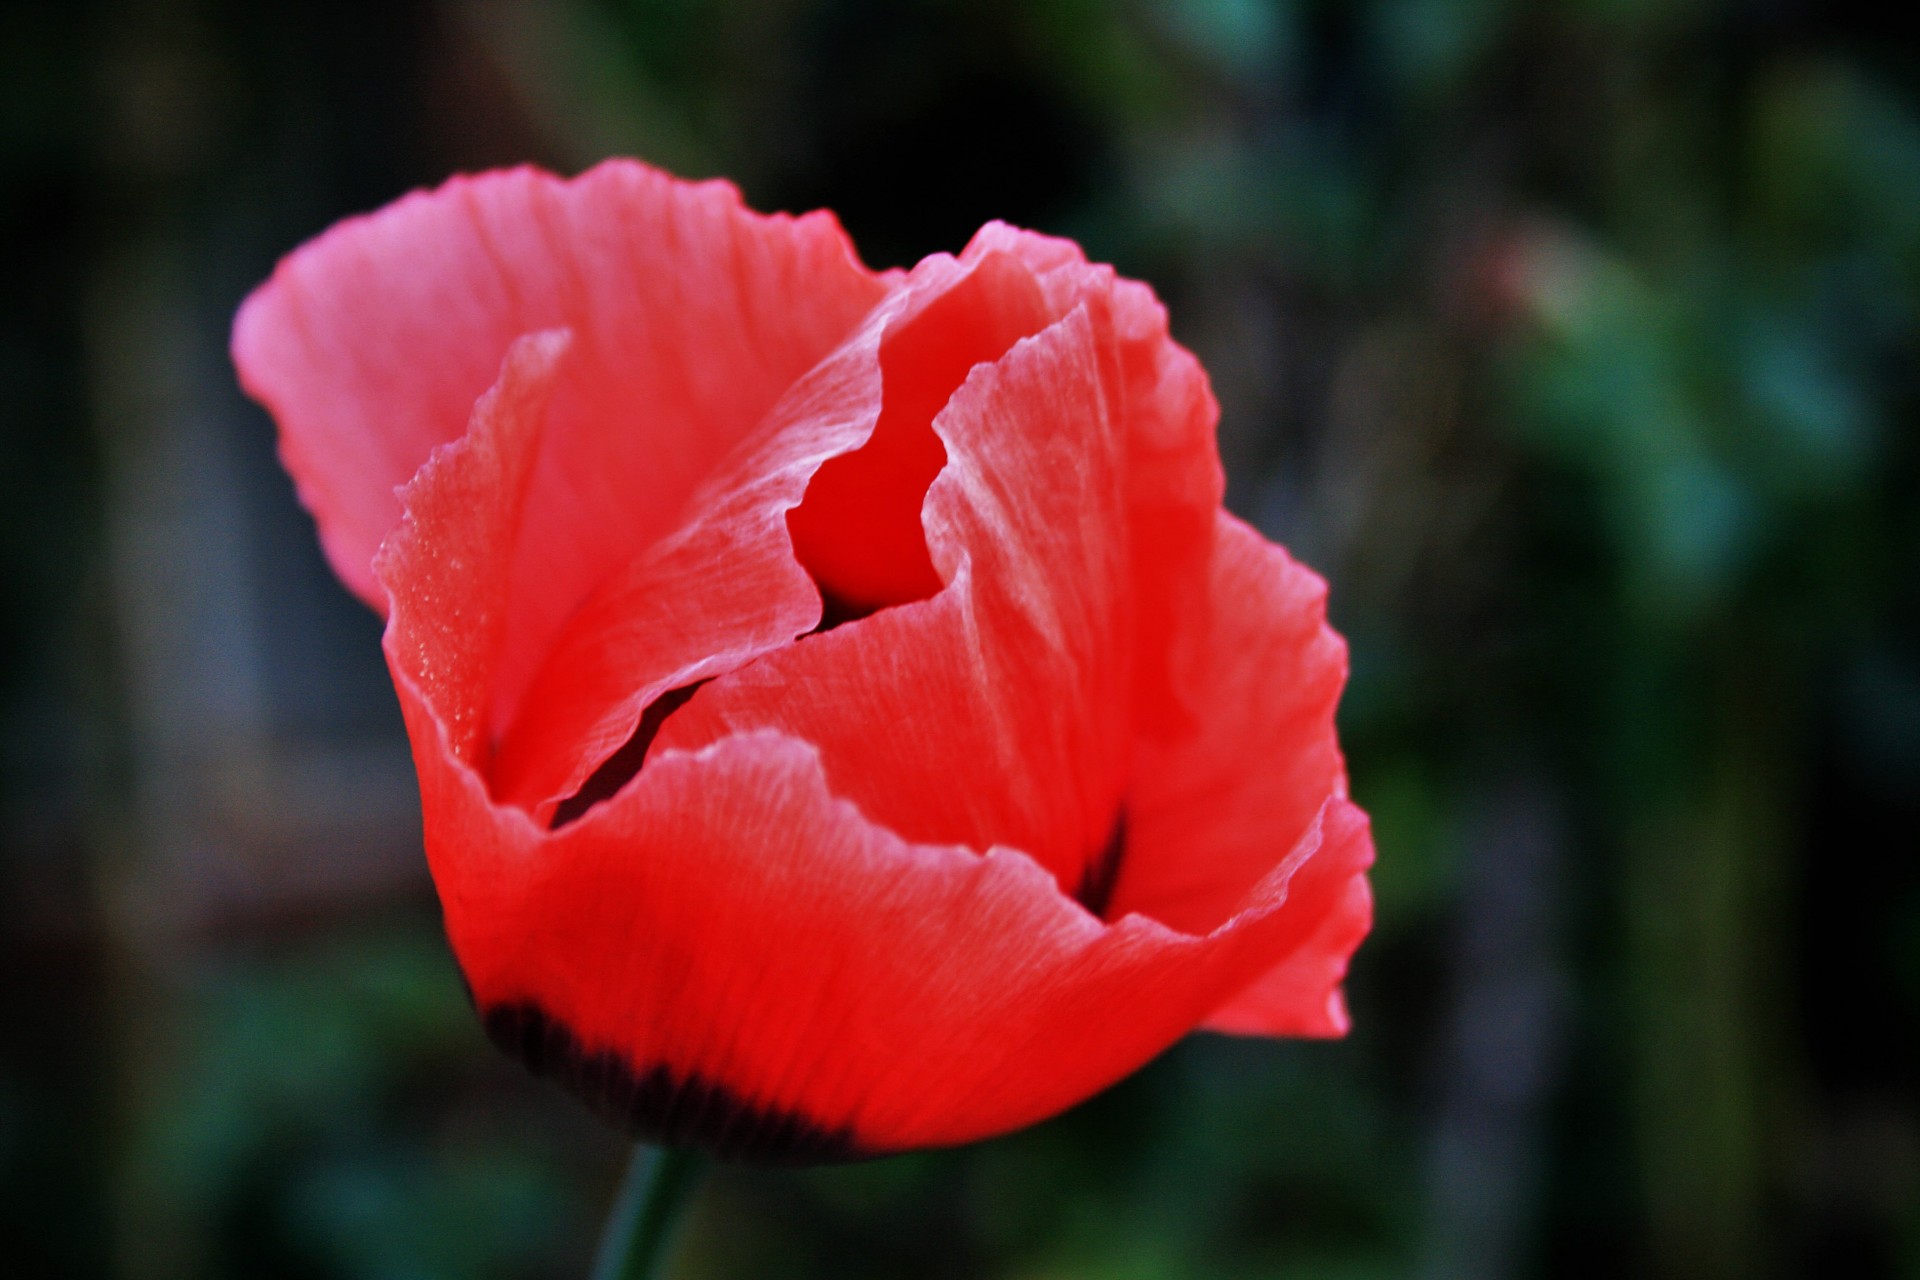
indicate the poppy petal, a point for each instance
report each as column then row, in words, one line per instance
column 464, row 514
column 726, row 586
column 726, row 952
column 691, row 316
column 1210, row 809
column 708, row 597
column 859, row 530
column 1173, row 480
column 996, row 712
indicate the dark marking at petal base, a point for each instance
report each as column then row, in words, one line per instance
column 1103, row 873
column 661, row 1103
column 620, row 768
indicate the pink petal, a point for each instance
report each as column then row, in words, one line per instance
column 1214, row 808
column 690, row 315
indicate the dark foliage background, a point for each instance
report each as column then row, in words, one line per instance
column 1574, row 341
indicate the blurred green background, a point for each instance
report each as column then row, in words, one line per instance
column 1575, row 342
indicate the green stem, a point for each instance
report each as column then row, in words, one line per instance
column 657, row 1187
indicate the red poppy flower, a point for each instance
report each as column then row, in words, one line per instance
column 846, row 720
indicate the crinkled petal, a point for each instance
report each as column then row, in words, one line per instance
column 727, row 954
column 859, row 532
column 710, row 596
column 1211, row 811
column 726, row 586
column 1174, row 483
column 998, row 711
column 691, row 316
column 466, row 512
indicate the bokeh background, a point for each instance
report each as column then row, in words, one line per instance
column 1574, row 341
